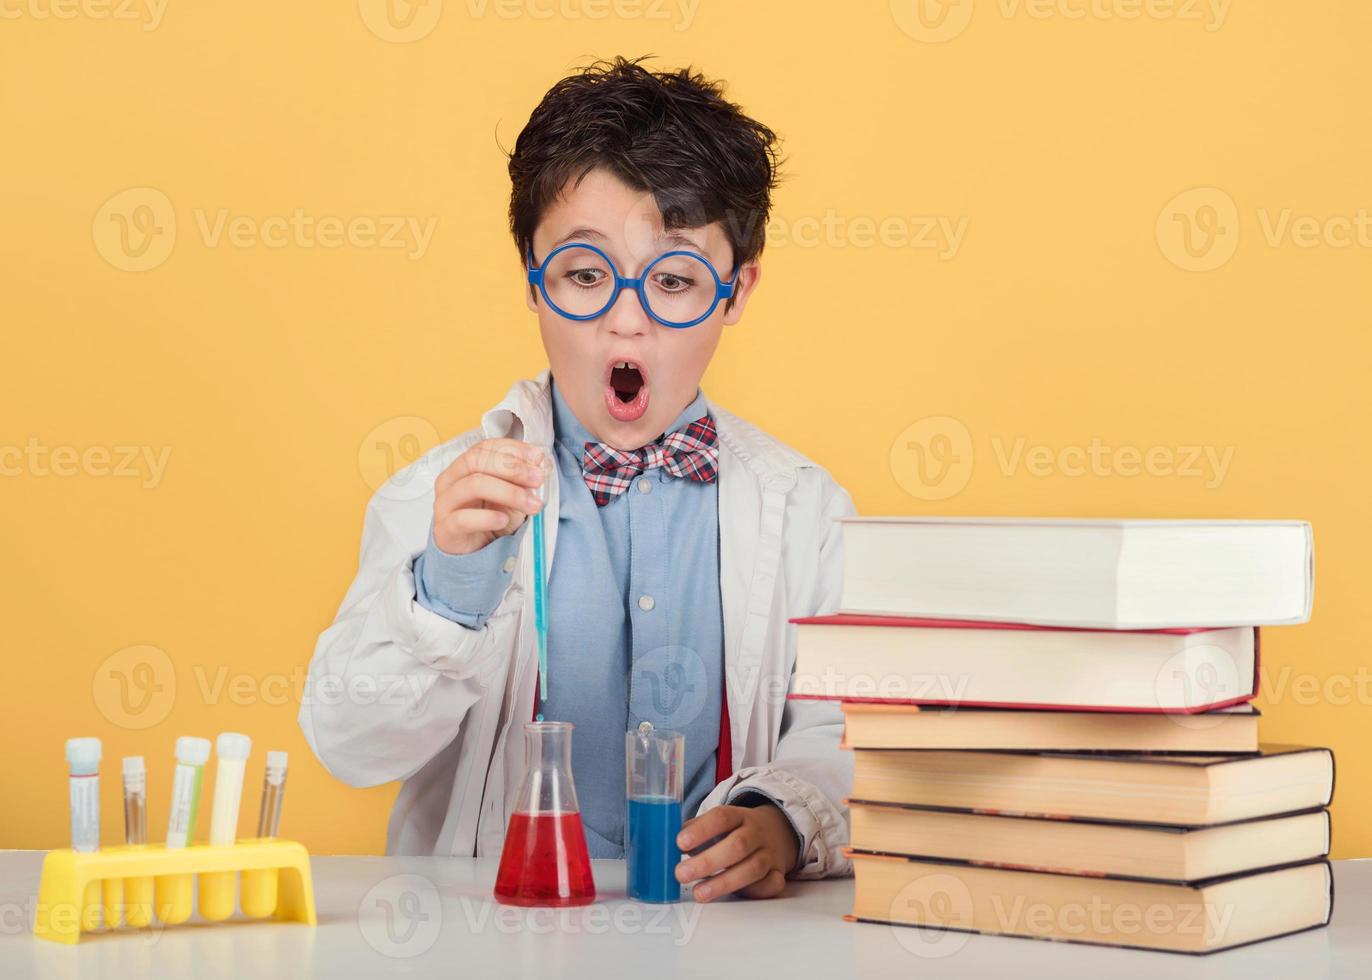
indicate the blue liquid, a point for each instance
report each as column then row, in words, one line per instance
column 652, row 852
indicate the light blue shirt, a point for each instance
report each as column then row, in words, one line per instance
column 635, row 624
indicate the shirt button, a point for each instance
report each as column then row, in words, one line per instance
column 645, row 485
column 646, row 603
column 509, row 564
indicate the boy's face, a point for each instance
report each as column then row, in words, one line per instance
column 628, row 409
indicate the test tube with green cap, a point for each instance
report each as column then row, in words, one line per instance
column 191, row 755
column 175, row 892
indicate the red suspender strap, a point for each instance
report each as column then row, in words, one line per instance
column 724, row 754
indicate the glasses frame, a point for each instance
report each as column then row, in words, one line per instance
column 723, row 290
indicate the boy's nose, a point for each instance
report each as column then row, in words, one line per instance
column 627, row 318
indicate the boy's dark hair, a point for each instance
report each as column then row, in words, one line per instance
column 672, row 134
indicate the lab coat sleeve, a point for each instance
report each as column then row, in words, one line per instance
column 466, row 588
column 391, row 681
column 809, row 775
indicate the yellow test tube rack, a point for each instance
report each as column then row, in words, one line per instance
column 149, row 884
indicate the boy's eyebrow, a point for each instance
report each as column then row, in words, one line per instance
column 669, row 238
column 682, row 241
column 579, row 234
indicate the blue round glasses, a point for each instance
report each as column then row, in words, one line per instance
column 677, row 289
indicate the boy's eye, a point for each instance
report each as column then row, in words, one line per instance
column 673, row 283
column 586, row 277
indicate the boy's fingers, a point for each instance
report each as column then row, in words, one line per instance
column 727, row 853
column 773, row 884
column 711, row 823
column 749, row 871
column 489, row 491
column 509, row 459
column 465, row 494
column 472, row 519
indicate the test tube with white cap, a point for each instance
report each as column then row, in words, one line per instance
column 135, row 801
column 217, row 891
column 137, row 897
column 273, row 794
column 258, row 890
column 83, row 761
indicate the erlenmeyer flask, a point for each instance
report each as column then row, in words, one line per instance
column 545, row 862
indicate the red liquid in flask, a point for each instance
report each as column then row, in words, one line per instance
column 544, row 863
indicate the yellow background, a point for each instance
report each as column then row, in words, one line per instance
column 271, row 374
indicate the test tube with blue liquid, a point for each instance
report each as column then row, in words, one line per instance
column 654, row 763
column 541, row 588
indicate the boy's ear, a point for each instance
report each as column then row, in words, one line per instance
column 531, row 296
column 748, row 278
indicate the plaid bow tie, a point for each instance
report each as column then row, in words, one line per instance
column 692, row 452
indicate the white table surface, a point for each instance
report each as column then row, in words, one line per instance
column 434, row 917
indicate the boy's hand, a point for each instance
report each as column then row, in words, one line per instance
column 757, row 849
column 486, row 493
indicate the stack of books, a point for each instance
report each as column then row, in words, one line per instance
column 1052, row 730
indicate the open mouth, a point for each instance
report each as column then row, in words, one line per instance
column 626, row 391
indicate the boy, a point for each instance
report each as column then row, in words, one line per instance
column 680, row 538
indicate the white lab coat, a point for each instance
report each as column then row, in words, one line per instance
column 396, row 691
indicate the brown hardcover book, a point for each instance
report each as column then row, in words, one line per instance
column 1127, row 850
column 1186, row 791
column 1179, row 917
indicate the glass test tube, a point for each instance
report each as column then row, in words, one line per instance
column 135, row 801
column 137, row 891
column 273, row 795
column 257, row 894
